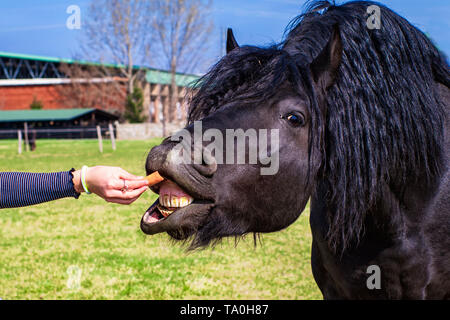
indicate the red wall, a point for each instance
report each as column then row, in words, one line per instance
column 20, row 97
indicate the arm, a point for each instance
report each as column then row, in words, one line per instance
column 19, row 189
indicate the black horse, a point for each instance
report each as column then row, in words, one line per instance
column 363, row 119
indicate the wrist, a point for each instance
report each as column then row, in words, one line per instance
column 77, row 181
column 84, row 183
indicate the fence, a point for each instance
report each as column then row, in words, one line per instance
column 144, row 131
column 29, row 136
column 56, row 133
column 139, row 131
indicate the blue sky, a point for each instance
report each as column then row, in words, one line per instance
column 39, row 26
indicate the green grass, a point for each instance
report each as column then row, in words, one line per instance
column 117, row 261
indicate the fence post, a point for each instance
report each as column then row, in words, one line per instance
column 27, row 146
column 113, row 138
column 19, row 137
column 100, row 141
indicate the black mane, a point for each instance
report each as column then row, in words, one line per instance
column 247, row 75
column 383, row 126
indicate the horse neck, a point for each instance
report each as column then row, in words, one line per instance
column 394, row 212
column 416, row 202
column 388, row 221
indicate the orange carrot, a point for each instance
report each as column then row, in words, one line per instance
column 153, row 178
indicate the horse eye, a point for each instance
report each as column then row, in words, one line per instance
column 294, row 119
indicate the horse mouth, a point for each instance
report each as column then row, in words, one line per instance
column 175, row 211
column 171, row 198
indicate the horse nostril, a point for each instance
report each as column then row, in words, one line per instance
column 199, row 157
column 206, row 169
column 209, row 163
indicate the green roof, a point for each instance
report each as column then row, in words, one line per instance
column 43, row 115
column 31, row 57
column 164, row 77
column 59, row 60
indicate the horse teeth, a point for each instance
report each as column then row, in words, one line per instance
column 164, row 200
column 174, row 201
column 172, row 196
column 184, row 201
column 164, row 211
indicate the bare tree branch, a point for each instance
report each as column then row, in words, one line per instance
column 182, row 28
column 117, row 31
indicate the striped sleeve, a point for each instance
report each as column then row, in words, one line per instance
column 19, row 189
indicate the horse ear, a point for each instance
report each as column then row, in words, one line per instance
column 231, row 41
column 325, row 67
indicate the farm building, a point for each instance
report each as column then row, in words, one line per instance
column 27, row 78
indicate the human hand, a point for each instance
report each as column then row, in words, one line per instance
column 109, row 182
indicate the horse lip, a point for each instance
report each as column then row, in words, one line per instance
column 188, row 179
column 152, row 227
column 177, row 219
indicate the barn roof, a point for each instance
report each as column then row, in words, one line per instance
column 13, row 55
column 49, row 115
column 152, row 75
column 164, row 77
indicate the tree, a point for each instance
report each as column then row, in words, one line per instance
column 118, row 31
column 89, row 88
column 36, row 104
column 183, row 29
column 135, row 106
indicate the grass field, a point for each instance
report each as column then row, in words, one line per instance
column 46, row 248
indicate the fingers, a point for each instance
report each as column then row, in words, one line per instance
column 135, row 184
column 127, row 176
column 118, row 184
column 125, row 196
column 121, row 201
column 134, row 193
column 108, row 183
